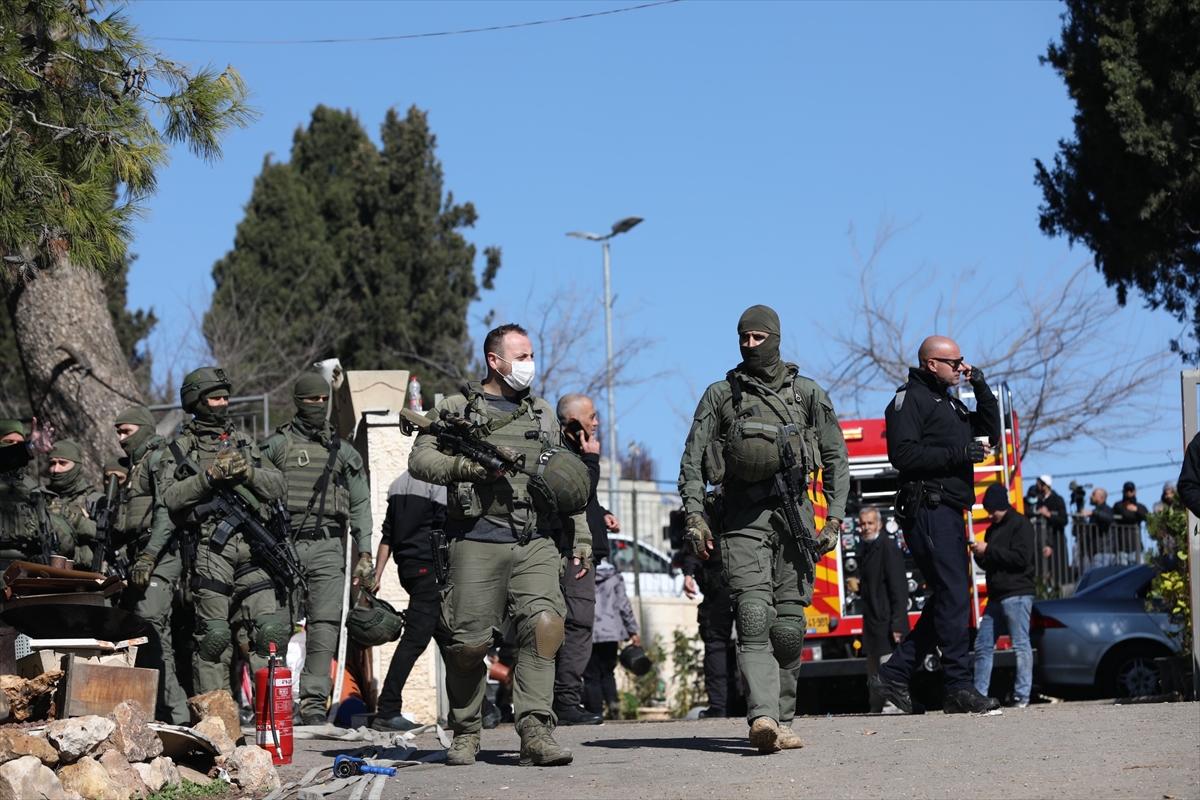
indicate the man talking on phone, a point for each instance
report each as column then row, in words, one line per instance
column 577, row 415
column 933, row 440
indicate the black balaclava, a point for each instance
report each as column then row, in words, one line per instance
column 311, row 415
column 762, row 363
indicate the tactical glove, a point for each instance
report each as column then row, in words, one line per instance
column 977, row 380
column 139, row 574
column 465, row 469
column 583, row 551
column 829, row 535
column 230, row 466
column 975, row 452
column 364, row 570
column 696, row 534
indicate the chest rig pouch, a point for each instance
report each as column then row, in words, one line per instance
column 754, row 447
column 526, row 430
column 313, row 482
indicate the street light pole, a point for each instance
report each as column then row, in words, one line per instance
column 620, row 226
column 613, row 476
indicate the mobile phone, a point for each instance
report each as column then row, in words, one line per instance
column 575, row 428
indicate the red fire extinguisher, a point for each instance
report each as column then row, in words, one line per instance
column 273, row 709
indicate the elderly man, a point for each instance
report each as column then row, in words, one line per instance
column 883, row 586
column 762, row 432
column 931, row 439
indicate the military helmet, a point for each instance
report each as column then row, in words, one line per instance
column 634, row 659
column 561, row 482
column 375, row 623
column 200, row 382
column 752, row 449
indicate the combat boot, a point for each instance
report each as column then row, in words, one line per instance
column 764, row 734
column 970, row 701
column 538, row 748
column 462, row 750
column 788, row 739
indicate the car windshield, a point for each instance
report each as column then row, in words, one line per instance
column 622, row 556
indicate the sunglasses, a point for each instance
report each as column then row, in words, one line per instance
column 954, row 363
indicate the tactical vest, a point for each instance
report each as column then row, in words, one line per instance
column 135, row 515
column 20, row 529
column 507, row 496
column 303, row 465
column 790, row 410
column 75, row 508
column 202, row 451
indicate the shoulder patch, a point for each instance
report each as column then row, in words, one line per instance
column 898, row 403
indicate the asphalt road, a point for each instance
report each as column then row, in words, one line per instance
column 1068, row 750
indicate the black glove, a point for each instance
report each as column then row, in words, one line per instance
column 978, row 383
column 975, row 452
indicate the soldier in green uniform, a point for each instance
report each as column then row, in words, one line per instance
column 143, row 527
column 72, row 497
column 228, row 579
column 27, row 528
column 326, row 490
column 503, row 553
column 737, row 438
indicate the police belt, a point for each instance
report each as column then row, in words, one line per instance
column 750, row 494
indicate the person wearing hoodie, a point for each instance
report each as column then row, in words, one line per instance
column 1006, row 555
column 143, row 527
column 743, row 427
column 615, row 623
column 73, row 498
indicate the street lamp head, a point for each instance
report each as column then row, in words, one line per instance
column 624, row 225
column 594, row 237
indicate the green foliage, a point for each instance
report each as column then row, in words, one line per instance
column 76, row 90
column 1128, row 185
column 687, row 657
column 348, row 250
column 186, row 790
column 1172, row 586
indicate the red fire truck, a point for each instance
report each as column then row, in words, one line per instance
column 833, row 646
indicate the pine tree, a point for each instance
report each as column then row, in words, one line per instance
column 1128, row 185
column 77, row 88
column 349, row 251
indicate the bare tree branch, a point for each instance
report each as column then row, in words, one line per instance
column 1058, row 346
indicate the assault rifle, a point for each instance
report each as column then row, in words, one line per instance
column 106, row 512
column 236, row 513
column 50, row 542
column 791, row 483
column 457, row 435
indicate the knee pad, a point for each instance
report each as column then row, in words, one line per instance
column 787, row 639
column 215, row 636
column 467, row 655
column 754, row 618
column 545, row 631
column 269, row 629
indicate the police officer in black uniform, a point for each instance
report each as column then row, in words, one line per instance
column 931, row 441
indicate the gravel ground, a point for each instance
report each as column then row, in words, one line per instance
column 1063, row 750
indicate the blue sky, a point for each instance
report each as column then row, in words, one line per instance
column 751, row 136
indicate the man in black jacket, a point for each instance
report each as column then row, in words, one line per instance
column 715, row 618
column 1129, row 514
column 1006, row 555
column 415, row 508
column 1049, row 513
column 577, row 415
column 931, row 437
column 883, row 587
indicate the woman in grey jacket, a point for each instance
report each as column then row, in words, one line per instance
column 615, row 622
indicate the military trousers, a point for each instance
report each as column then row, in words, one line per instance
column 154, row 604
column 486, row 581
column 938, row 543
column 324, row 565
column 230, row 585
column 771, row 581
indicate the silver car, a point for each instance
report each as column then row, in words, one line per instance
column 1101, row 640
column 659, row 576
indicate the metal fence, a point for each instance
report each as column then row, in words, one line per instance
column 250, row 416
column 1061, row 558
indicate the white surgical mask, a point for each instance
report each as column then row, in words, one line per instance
column 521, row 377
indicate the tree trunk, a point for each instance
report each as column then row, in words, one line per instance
column 78, row 377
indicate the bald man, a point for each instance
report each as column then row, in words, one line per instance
column 932, row 441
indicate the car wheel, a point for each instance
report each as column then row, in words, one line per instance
column 1129, row 671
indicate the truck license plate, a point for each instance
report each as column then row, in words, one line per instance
column 817, row 623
